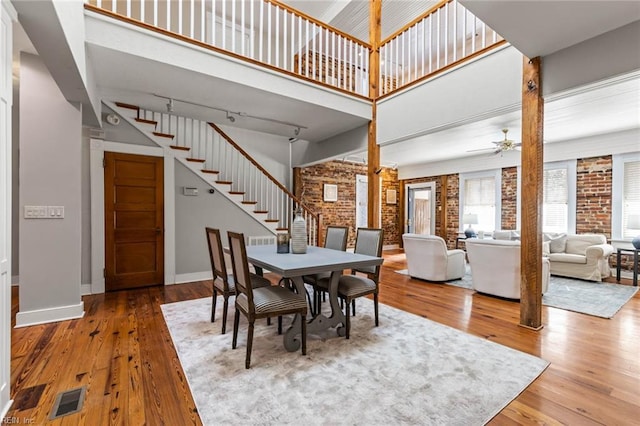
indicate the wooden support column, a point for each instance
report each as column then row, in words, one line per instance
column 531, row 209
column 297, row 182
column 373, row 150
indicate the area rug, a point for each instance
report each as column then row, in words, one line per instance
column 409, row 370
column 586, row 297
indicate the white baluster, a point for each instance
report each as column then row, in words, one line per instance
column 213, row 22
column 277, row 36
column 233, row 26
column 242, row 28
column 202, row 21
column 180, row 17
column 269, row 10
column 223, row 24
column 261, row 32
column 192, row 13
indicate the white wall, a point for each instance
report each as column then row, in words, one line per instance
column 592, row 60
column 305, row 153
column 482, row 88
column 193, row 214
column 7, row 15
column 50, row 175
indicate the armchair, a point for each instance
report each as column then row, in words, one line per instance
column 495, row 267
column 429, row 259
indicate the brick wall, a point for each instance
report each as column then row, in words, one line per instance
column 593, row 195
column 343, row 211
column 508, row 218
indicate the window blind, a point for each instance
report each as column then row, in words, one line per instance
column 631, row 196
column 555, row 210
column 480, row 199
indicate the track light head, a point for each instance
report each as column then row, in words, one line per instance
column 378, row 171
column 170, row 105
column 230, row 117
column 296, row 131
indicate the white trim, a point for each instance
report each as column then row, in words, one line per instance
column 390, row 247
column 98, row 148
column 43, row 316
column 497, row 175
column 15, row 280
column 617, row 184
column 572, row 183
column 193, row 276
column 85, row 289
column 432, row 187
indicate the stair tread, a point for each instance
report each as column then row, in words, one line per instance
column 213, row 172
column 163, row 135
column 261, row 211
column 181, row 148
column 128, row 106
column 249, row 202
column 236, row 192
column 196, row 160
column 144, row 120
column 224, row 182
column 282, row 229
column 272, row 220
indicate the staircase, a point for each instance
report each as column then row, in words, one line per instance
column 211, row 154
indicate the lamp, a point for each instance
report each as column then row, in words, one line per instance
column 633, row 222
column 470, row 219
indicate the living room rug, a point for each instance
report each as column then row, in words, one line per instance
column 586, row 297
column 409, row 370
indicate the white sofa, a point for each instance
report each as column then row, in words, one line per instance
column 429, row 259
column 495, row 267
column 583, row 256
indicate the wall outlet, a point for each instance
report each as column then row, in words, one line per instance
column 43, row 212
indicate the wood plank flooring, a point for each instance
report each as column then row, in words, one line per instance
column 122, row 352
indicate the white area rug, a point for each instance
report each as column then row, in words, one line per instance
column 586, row 297
column 409, row 370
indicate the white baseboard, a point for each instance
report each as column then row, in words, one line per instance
column 43, row 316
column 391, row 247
column 193, row 276
column 5, row 410
column 15, row 279
column 85, row 289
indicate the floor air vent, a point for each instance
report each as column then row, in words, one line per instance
column 68, row 402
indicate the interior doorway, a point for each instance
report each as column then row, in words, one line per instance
column 134, row 220
column 362, row 196
column 420, row 208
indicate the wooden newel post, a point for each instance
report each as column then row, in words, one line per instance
column 532, row 186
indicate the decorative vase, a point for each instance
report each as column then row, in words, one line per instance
column 299, row 234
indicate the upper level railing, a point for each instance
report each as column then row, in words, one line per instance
column 264, row 31
column 443, row 36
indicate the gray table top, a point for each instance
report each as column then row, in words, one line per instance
column 315, row 260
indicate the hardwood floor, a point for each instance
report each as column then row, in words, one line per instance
column 122, row 352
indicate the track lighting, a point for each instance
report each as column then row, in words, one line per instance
column 296, row 131
column 170, row 105
column 230, row 117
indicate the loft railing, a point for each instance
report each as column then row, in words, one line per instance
column 443, row 36
column 264, row 31
column 224, row 158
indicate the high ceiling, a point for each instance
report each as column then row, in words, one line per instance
column 533, row 27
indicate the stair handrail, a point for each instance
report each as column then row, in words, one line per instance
column 295, row 199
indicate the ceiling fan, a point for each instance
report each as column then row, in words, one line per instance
column 500, row 146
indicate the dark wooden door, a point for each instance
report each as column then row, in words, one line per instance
column 134, row 221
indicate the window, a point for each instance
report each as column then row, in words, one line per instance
column 559, row 197
column 480, row 194
column 625, row 195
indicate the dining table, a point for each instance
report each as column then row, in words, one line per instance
column 316, row 260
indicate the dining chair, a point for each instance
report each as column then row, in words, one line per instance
column 336, row 239
column 350, row 287
column 261, row 302
column 223, row 282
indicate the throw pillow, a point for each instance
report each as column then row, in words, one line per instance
column 558, row 244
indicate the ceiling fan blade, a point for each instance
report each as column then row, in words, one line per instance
column 481, row 149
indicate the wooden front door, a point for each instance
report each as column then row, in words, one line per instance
column 134, row 221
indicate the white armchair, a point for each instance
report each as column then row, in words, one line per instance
column 495, row 267
column 429, row 259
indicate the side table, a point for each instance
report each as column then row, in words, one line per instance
column 634, row 265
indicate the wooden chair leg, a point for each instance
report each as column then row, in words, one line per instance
column 247, row 362
column 236, row 321
column 225, row 308
column 375, row 306
column 213, row 304
column 304, row 335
